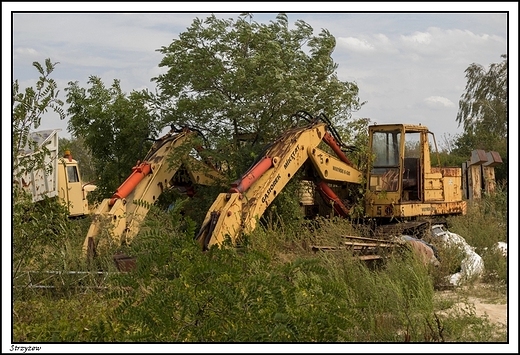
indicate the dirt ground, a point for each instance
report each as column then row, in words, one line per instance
column 497, row 313
column 495, row 310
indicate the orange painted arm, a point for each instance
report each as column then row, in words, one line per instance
column 138, row 173
column 329, row 195
column 252, row 175
column 329, row 139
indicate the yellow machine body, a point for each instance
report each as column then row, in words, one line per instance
column 401, row 181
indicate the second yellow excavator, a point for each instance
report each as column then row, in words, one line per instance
column 400, row 183
column 122, row 214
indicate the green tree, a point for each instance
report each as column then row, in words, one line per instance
column 34, row 225
column 240, row 83
column 28, row 108
column 231, row 78
column 483, row 112
column 483, row 106
column 115, row 128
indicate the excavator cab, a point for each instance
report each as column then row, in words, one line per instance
column 397, row 161
column 401, row 181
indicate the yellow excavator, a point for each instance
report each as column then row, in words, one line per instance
column 400, row 182
column 122, row 214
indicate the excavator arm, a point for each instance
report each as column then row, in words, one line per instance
column 124, row 212
column 237, row 210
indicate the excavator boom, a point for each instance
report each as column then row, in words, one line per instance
column 237, row 211
column 124, row 212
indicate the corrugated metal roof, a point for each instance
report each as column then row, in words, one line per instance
column 40, row 137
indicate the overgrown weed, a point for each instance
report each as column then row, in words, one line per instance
column 273, row 288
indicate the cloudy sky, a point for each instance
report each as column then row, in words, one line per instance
column 409, row 66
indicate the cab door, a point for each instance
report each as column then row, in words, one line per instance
column 412, row 177
column 74, row 190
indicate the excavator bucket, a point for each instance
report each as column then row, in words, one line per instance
column 224, row 215
column 111, row 219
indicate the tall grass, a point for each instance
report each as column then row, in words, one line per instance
column 272, row 288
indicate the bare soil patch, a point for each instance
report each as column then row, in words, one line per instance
column 496, row 313
column 487, row 303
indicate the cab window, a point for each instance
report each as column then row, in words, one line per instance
column 385, row 170
column 72, row 174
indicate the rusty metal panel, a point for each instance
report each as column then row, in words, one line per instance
column 432, row 208
column 432, row 184
column 478, row 156
column 451, row 171
column 452, row 208
column 433, row 195
column 452, row 189
column 493, row 159
column 433, row 175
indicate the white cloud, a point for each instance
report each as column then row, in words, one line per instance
column 438, row 102
column 355, row 44
column 25, row 51
column 418, row 37
column 26, row 54
column 383, row 39
column 460, row 46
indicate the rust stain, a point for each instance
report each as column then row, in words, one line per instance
column 447, row 172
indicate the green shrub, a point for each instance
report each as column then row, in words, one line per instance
column 180, row 294
column 272, row 288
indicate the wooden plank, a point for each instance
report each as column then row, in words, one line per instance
column 369, row 239
column 369, row 245
column 369, row 257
